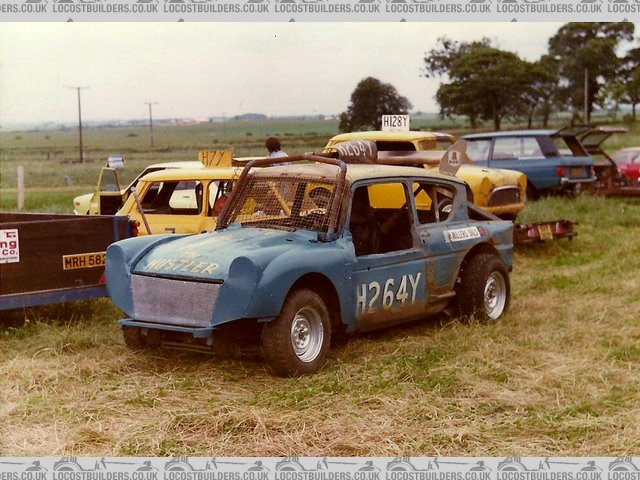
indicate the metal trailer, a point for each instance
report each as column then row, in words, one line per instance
column 49, row 258
column 543, row 231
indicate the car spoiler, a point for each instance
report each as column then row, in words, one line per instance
column 366, row 152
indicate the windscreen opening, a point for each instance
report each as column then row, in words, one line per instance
column 282, row 202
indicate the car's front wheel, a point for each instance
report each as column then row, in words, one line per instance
column 484, row 289
column 297, row 342
column 133, row 339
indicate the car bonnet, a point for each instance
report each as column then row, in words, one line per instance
column 208, row 256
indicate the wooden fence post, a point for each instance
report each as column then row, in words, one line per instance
column 20, row 187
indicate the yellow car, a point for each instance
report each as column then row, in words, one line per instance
column 109, row 196
column 499, row 191
column 180, row 200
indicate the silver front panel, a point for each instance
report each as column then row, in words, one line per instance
column 174, row 302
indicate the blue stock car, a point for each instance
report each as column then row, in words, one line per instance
column 552, row 160
column 305, row 251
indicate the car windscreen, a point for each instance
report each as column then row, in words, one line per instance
column 282, row 202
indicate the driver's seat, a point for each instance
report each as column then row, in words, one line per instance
column 363, row 225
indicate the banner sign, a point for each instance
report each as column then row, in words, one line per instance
column 320, row 10
column 9, row 246
column 312, row 468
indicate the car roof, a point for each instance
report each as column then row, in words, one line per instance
column 378, row 135
column 179, row 164
column 355, row 172
column 203, row 173
column 511, row 133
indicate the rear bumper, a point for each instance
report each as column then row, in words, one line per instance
column 575, row 181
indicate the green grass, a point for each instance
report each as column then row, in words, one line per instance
column 49, row 156
column 51, row 200
column 558, row 376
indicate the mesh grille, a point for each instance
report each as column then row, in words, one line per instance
column 289, row 203
column 174, row 302
column 504, row 196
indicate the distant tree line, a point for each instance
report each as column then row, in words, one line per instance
column 483, row 82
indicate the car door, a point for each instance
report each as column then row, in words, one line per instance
column 443, row 234
column 526, row 154
column 175, row 206
column 107, row 198
column 388, row 275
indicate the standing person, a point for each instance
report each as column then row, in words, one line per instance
column 274, row 148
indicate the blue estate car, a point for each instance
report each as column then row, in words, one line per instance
column 553, row 160
column 307, row 250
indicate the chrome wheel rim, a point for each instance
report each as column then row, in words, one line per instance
column 307, row 334
column 495, row 295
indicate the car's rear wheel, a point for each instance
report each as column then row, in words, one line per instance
column 484, row 289
column 297, row 342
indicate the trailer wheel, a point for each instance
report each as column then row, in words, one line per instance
column 484, row 289
column 297, row 342
column 133, row 338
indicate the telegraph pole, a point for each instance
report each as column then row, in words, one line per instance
column 150, row 122
column 80, row 121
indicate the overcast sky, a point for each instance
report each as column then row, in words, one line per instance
column 197, row 70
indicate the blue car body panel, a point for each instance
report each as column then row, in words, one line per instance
column 252, row 270
column 548, row 171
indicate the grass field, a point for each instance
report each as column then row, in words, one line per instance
column 558, row 376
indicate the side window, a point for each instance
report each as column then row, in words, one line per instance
column 109, row 180
column 570, row 147
column 506, row 148
column 186, row 198
column 478, row 150
column 561, row 146
column 173, row 198
column 516, row 147
column 529, row 148
column 548, row 146
column 433, row 202
column 395, row 146
column 219, row 192
column 380, row 221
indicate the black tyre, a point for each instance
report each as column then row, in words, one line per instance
column 484, row 289
column 133, row 339
column 531, row 193
column 297, row 342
